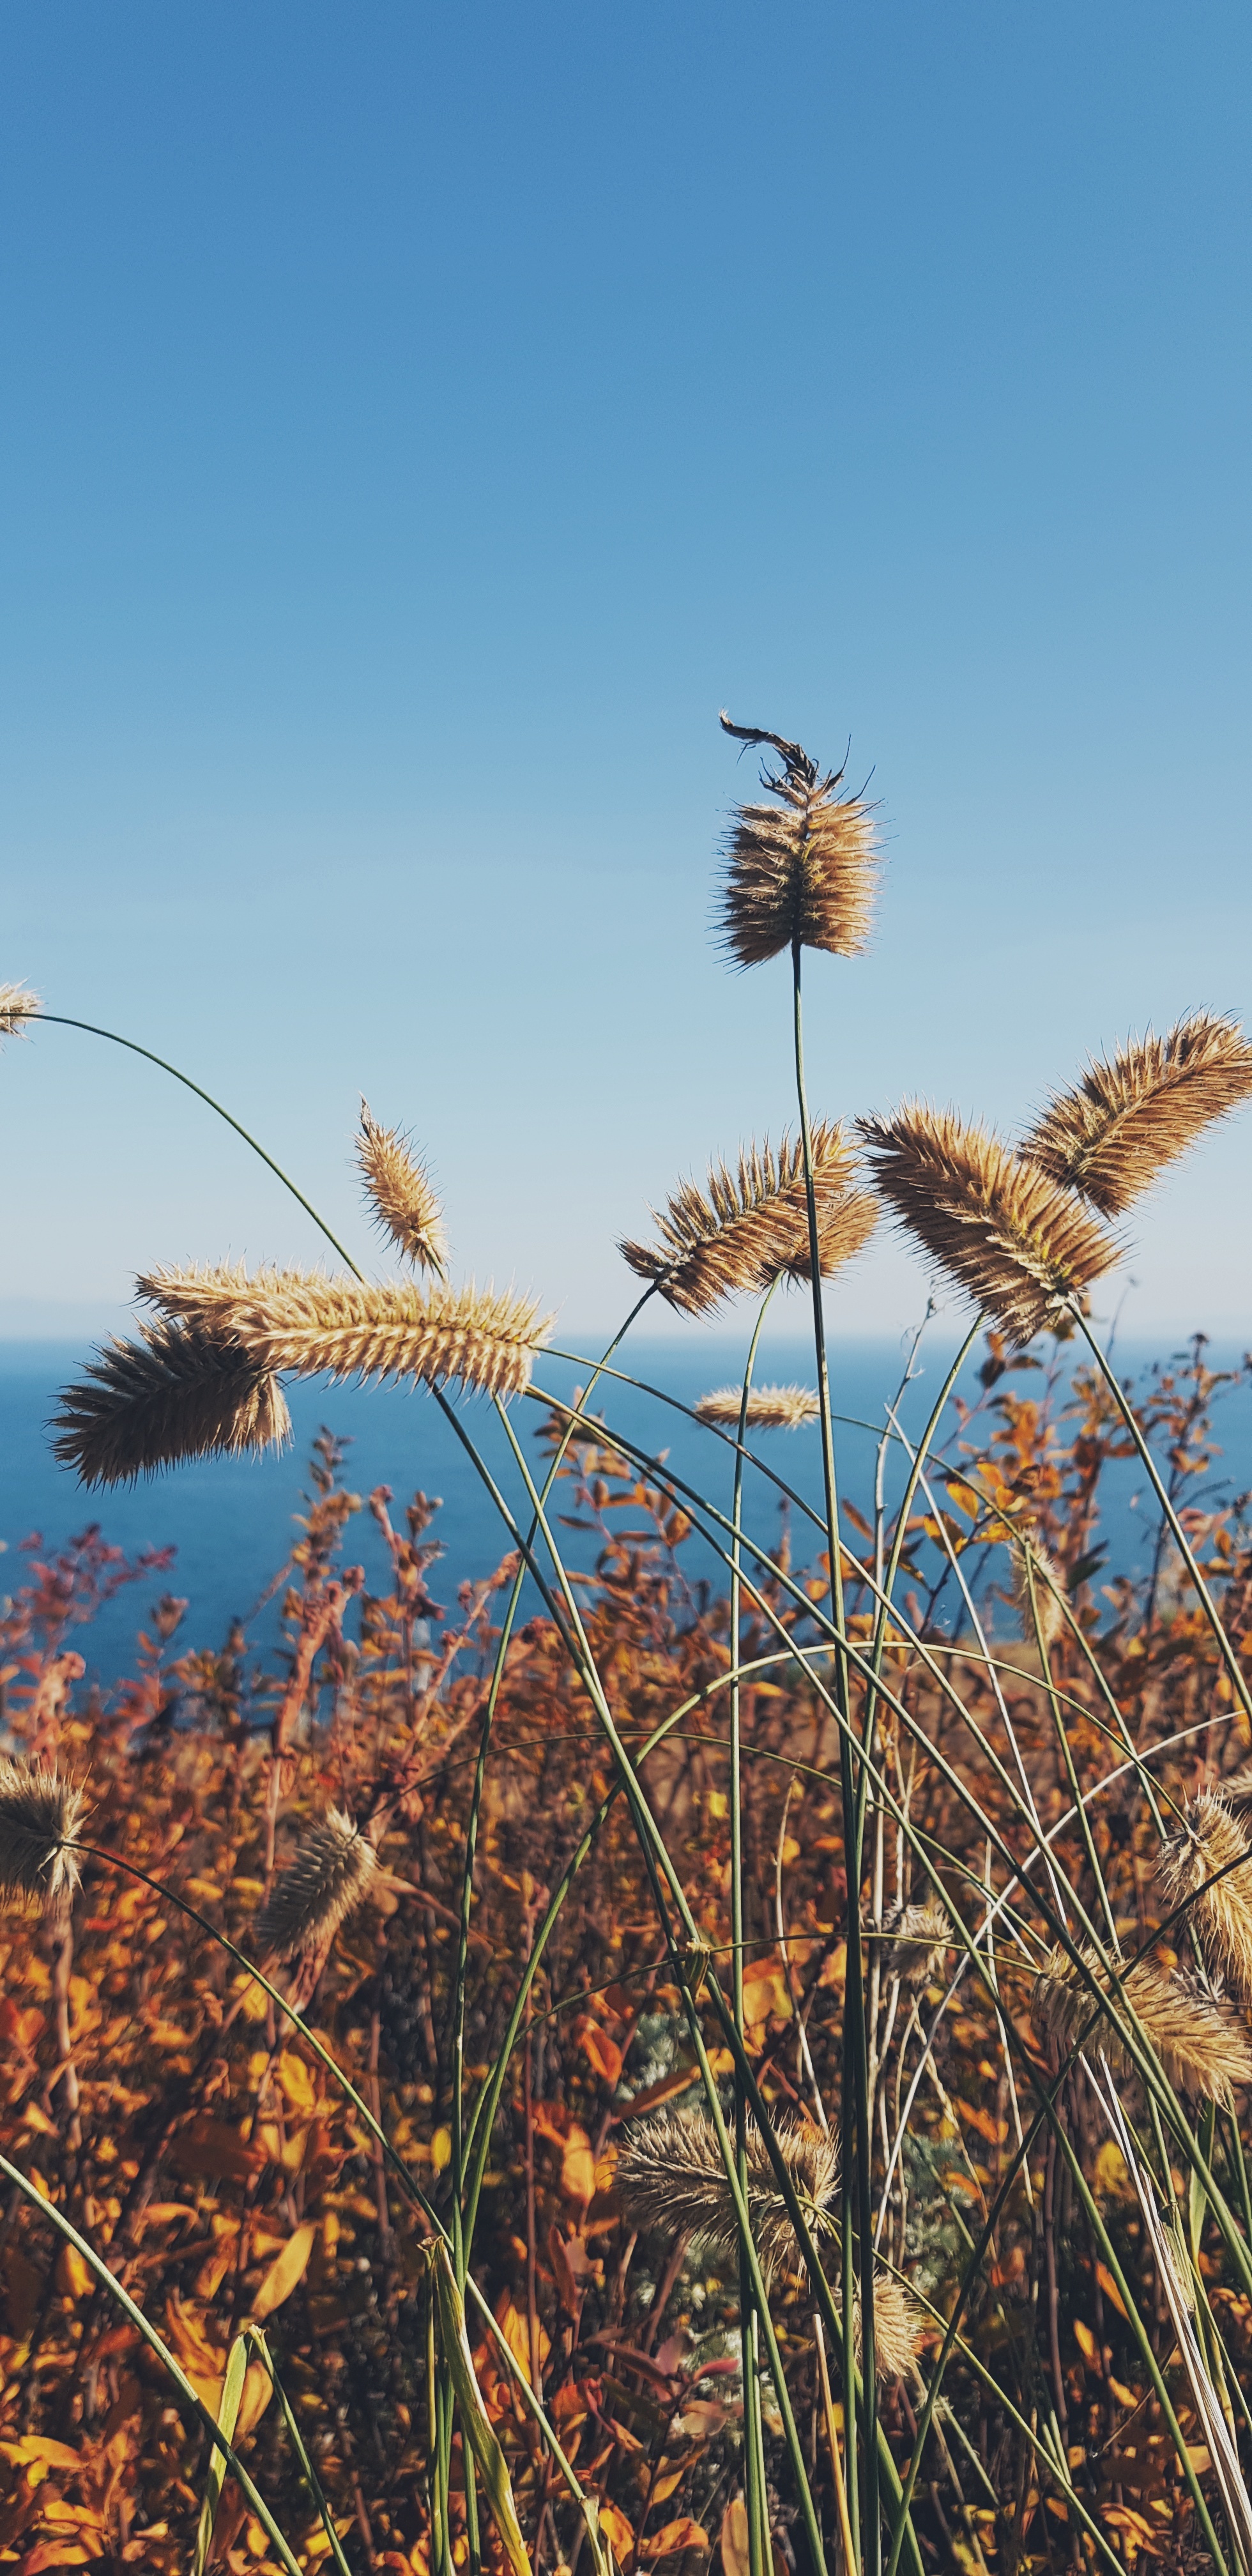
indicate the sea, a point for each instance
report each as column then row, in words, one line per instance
column 231, row 1523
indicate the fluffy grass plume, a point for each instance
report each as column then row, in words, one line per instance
column 1014, row 1239
column 330, row 1874
column 751, row 1227
column 178, row 1392
column 1209, row 1840
column 17, row 1009
column 918, row 1940
column 670, row 2178
column 770, row 1408
column 1118, row 1128
column 40, row 1813
column 313, row 1326
column 1202, row 2042
column 400, row 1193
column 802, row 868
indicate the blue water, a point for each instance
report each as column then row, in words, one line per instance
column 232, row 1522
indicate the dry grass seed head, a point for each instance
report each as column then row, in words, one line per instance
column 770, row 1408
column 919, row 1939
column 178, row 1392
column 40, row 1814
column 313, row 1326
column 1012, row 1239
column 1201, row 2041
column 330, row 1874
column 1128, row 1117
column 1033, row 1564
column 899, row 2325
column 671, row 2178
column 1210, row 1840
column 17, row 1009
column 803, row 868
column 750, row 1226
column 400, row 1193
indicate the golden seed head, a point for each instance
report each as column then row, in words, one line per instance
column 750, row 1226
column 1212, row 1840
column 1012, row 1239
column 401, row 1195
column 1202, row 2041
column 770, row 1408
column 802, row 869
column 899, row 2325
column 1049, row 1588
column 920, row 1937
column 313, row 1326
column 179, row 1392
column 331, row 1873
column 40, row 1814
column 1127, row 1118
column 670, row 2176
column 17, row 1009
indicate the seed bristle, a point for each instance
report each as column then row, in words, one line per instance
column 181, row 1391
column 313, row 1326
column 331, row 1873
column 400, row 1193
column 1210, row 1844
column 802, row 869
column 749, row 1227
column 1201, row 2040
column 670, row 2177
column 1014, row 1240
column 770, row 1408
column 40, row 1813
column 18, row 1008
column 1117, row 1129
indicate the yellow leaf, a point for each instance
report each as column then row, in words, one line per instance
column 1086, row 2343
column 258, row 2388
column 73, row 2278
column 297, row 2084
column 1110, row 2288
column 682, row 2534
column 288, row 2268
column 734, row 2538
column 441, row 2149
column 617, row 2530
column 578, row 2167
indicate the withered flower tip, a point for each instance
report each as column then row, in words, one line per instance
column 750, row 1226
column 1129, row 1117
column 1013, row 1239
column 802, row 869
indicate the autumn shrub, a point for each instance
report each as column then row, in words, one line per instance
column 751, row 2065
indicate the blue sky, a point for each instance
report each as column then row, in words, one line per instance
column 416, row 423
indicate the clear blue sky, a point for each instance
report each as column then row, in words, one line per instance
column 417, row 422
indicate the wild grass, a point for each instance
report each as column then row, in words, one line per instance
column 750, row 2067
